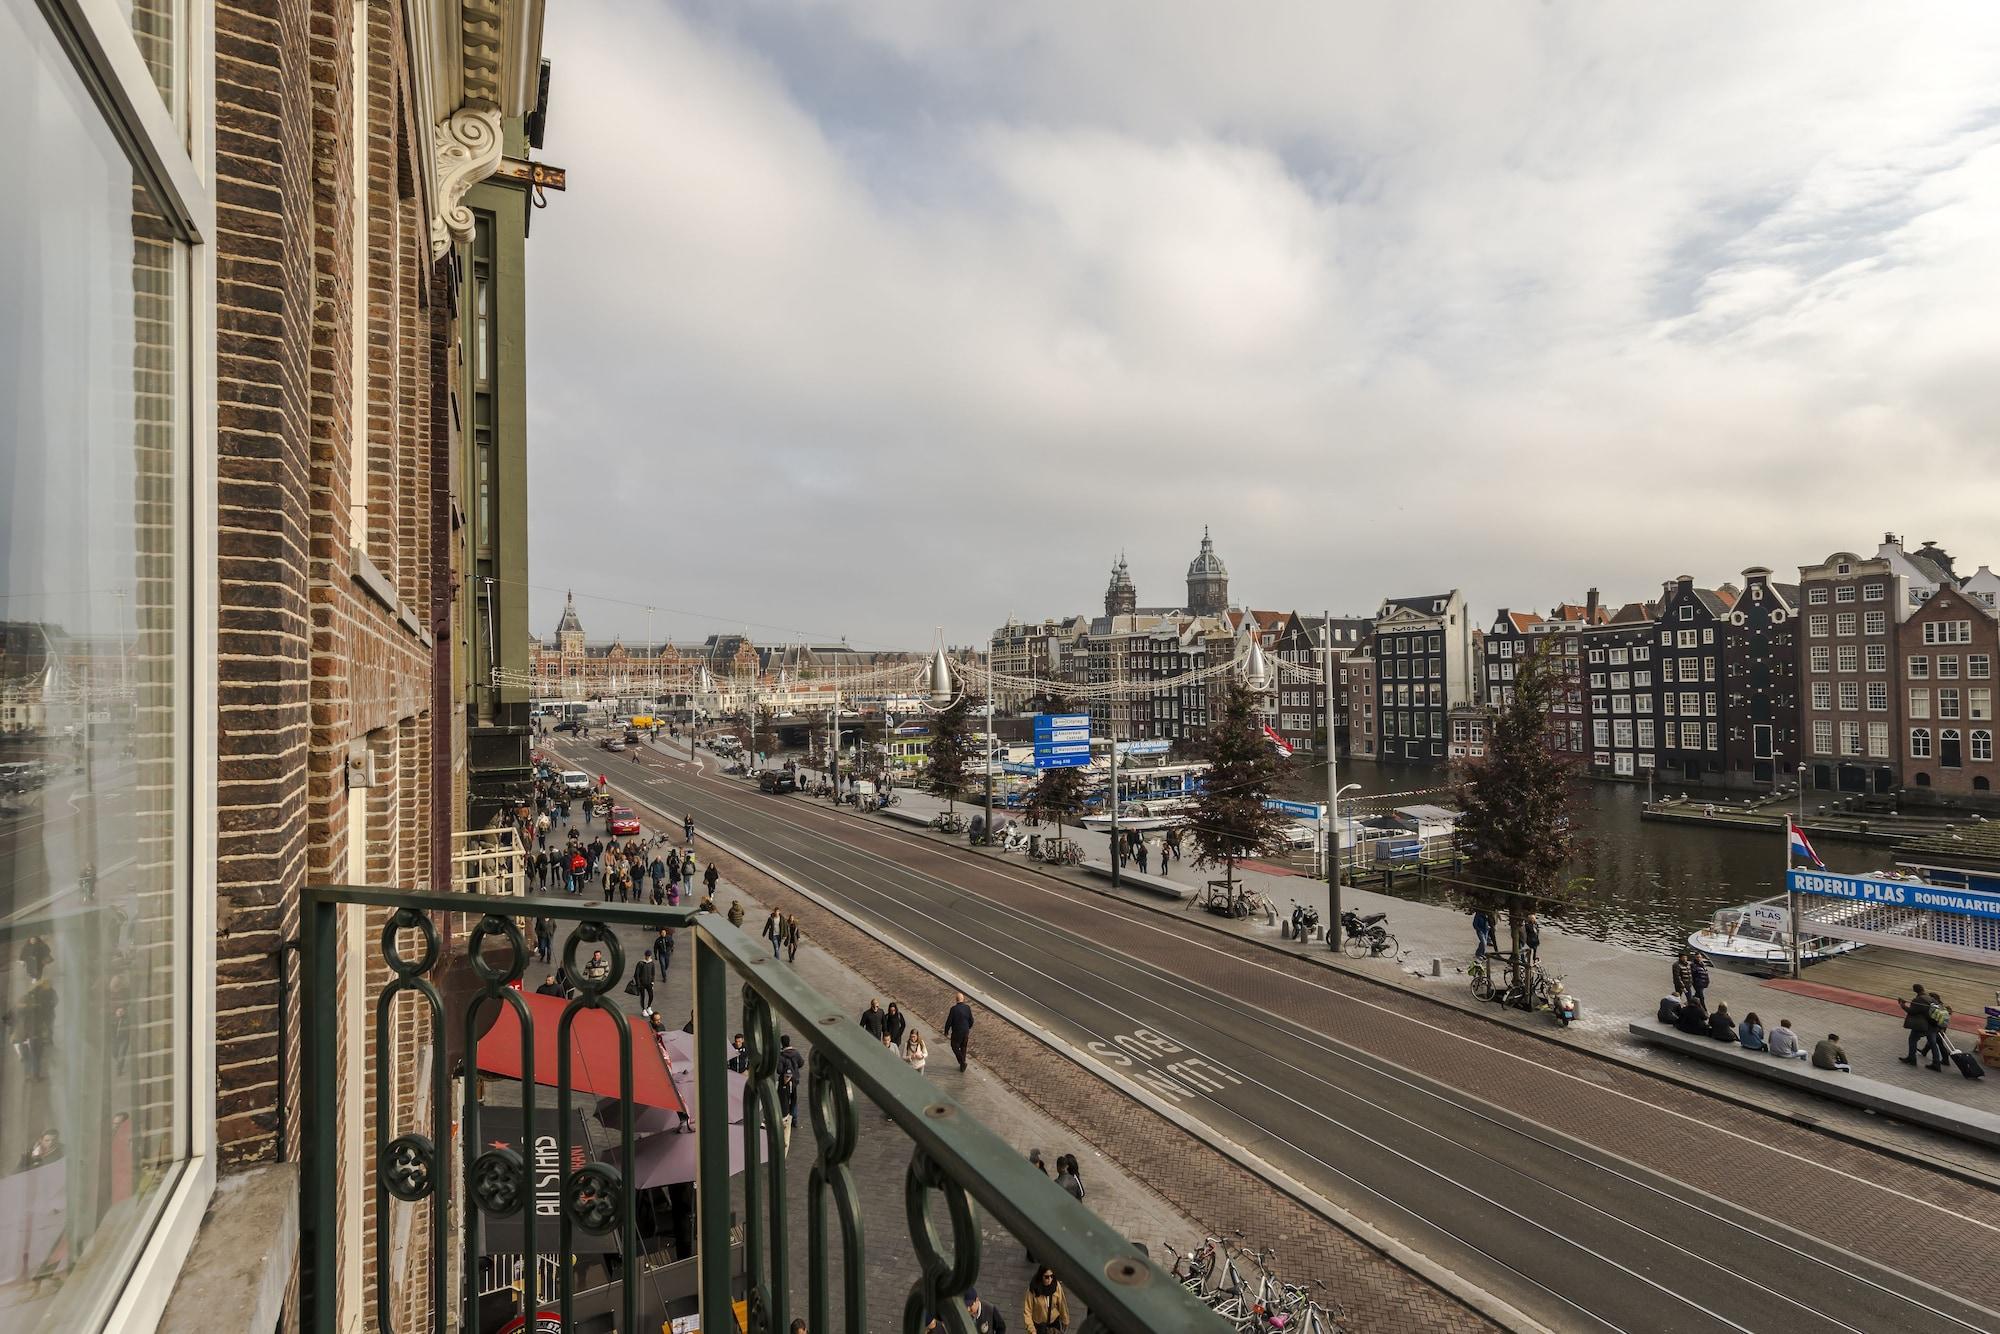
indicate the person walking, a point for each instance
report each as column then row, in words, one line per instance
column 1483, row 939
column 642, row 980
column 894, row 1024
column 711, row 877
column 735, row 913
column 958, row 1029
column 1139, row 855
column 985, row 1317
column 1045, row 1310
column 659, row 872
column 687, row 828
column 545, row 938
column 1925, row 1016
column 871, row 1019
column 1531, row 941
column 914, row 1052
column 792, row 935
column 1683, row 976
column 773, row 932
column 598, row 968
column 1069, row 1175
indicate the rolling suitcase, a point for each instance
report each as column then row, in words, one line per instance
column 1968, row 1064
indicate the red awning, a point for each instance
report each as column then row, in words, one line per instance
column 593, row 1052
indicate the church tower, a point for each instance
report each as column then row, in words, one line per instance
column 1121, row 598
column 1207, row 581
column 569, row 630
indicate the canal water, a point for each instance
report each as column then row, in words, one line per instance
column 1642, row 883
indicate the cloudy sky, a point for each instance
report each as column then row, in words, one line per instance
column 864, row 316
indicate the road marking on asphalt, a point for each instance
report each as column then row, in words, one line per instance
column 1178, row 1091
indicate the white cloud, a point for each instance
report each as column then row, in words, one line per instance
column 861, row 316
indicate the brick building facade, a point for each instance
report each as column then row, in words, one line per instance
column 342, row 744
column 1947, row 649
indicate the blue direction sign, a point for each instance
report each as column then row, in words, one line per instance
column 1062, row 740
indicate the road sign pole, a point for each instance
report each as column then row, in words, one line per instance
column 1117, row 851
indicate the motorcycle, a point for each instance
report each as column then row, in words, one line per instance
column 1367, row 937
column 1304, row 924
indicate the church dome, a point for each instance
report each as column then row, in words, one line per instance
column 1207, row 563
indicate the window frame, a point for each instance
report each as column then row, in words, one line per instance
column 171, row 146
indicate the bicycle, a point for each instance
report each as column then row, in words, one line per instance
column 1367, row 937
column 1481, row 979
column 949, row 824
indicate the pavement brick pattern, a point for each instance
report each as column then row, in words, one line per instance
column 1376, row 1292
column 883, row 1151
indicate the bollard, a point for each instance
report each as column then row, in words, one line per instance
column 1437, row 968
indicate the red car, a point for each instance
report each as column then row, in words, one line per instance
column 623, row 821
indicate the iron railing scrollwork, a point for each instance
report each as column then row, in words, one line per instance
column 954, row 1160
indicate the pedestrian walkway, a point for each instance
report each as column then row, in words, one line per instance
column 881, row 1161
column 1616, row 984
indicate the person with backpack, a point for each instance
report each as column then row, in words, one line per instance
column 894, row 1025
column 1925, row 1016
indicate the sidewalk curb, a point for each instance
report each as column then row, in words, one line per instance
column 1969, row 1175
column 1446, row 1280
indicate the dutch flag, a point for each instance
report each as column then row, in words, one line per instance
column 1279, row 742
column 1798, row 845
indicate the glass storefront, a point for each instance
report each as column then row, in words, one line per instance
column 94, row 432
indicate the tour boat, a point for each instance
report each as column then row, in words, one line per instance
column 1757, row 936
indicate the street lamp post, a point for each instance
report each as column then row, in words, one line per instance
column 1802, row 792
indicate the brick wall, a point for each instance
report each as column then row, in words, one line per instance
column 321, row 655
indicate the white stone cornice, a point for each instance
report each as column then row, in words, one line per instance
column 468, row 149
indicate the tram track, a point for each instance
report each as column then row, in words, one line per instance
column 1571, row 1231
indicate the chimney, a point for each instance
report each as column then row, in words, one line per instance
column 1590, row 609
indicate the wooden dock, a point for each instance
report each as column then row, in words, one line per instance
column 1880, row 971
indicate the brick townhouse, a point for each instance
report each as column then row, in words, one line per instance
column 1691, row 628
column 1621, row 680
column 1947, row 649
column 1850, row 684
column 286, row 538
column 1515, row 635
column 1300, row 704
column 1760, row 703
column 1422, row 648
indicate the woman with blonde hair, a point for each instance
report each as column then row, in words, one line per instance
column 913, row 1051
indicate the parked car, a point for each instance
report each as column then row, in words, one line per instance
column 776, row 781
column 624, row 821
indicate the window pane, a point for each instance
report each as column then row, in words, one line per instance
column 156, row 26
column 91, row 1078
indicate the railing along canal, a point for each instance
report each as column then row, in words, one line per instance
column 744, row 1261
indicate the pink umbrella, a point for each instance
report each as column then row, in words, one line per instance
column 669, row 1159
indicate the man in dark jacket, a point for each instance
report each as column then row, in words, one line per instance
column 958, row 1028
column 985, row 1317
column 894, row 1025
column 1698, row 979
column 872, row 1019
column 642, row 980
column 1924, row 1035
column 1693, row 1019
column 791, row 1073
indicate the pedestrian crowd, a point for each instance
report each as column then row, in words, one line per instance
column 1926, row 1018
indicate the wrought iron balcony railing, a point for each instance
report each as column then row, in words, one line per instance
column 744, row 1260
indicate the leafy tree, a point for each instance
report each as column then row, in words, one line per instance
column 950, row 749
column 1229, row 818
column 1516, row 832
column 1057, row 795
